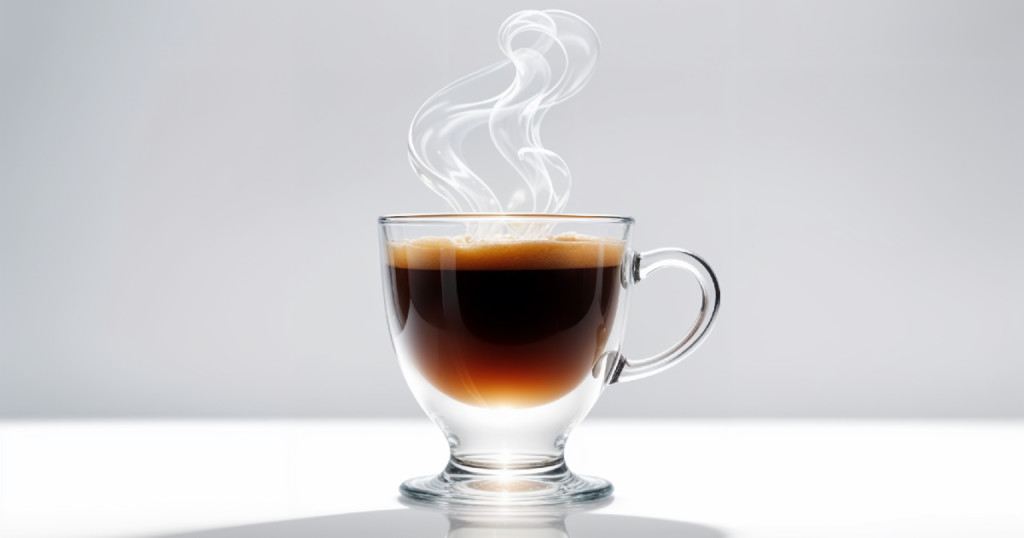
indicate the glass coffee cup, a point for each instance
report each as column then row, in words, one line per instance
column 507, row 330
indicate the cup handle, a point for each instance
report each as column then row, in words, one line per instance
column 645, row 263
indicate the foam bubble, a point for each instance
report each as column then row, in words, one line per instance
column 506, row 252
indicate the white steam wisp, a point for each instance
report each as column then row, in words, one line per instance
column 513, row 117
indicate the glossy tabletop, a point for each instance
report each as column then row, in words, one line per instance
column 691, row 479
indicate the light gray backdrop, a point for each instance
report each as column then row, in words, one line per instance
column 188, row 195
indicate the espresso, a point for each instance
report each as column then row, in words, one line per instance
column 505, row 324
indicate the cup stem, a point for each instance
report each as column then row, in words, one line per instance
column 508, row 468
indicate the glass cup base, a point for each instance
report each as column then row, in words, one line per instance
column 549, row 486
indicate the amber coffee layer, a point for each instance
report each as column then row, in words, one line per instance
column 504, row 322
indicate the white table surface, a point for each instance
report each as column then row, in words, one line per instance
column 744, row 478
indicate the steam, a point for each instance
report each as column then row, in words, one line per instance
column 513, row 117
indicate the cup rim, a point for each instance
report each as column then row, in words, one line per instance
column 531, row 217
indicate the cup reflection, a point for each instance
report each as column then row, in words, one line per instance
column 538, row 522
column 576, row 521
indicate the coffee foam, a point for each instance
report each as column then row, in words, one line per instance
column 506, row 252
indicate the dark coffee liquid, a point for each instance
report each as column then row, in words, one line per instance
column 494, row 337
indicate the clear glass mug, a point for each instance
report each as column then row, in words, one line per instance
column 507, row 342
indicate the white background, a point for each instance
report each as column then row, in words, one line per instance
column 189, row 190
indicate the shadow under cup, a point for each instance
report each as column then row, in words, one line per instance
column 506, row 340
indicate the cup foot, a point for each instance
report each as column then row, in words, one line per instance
column 448, row 489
